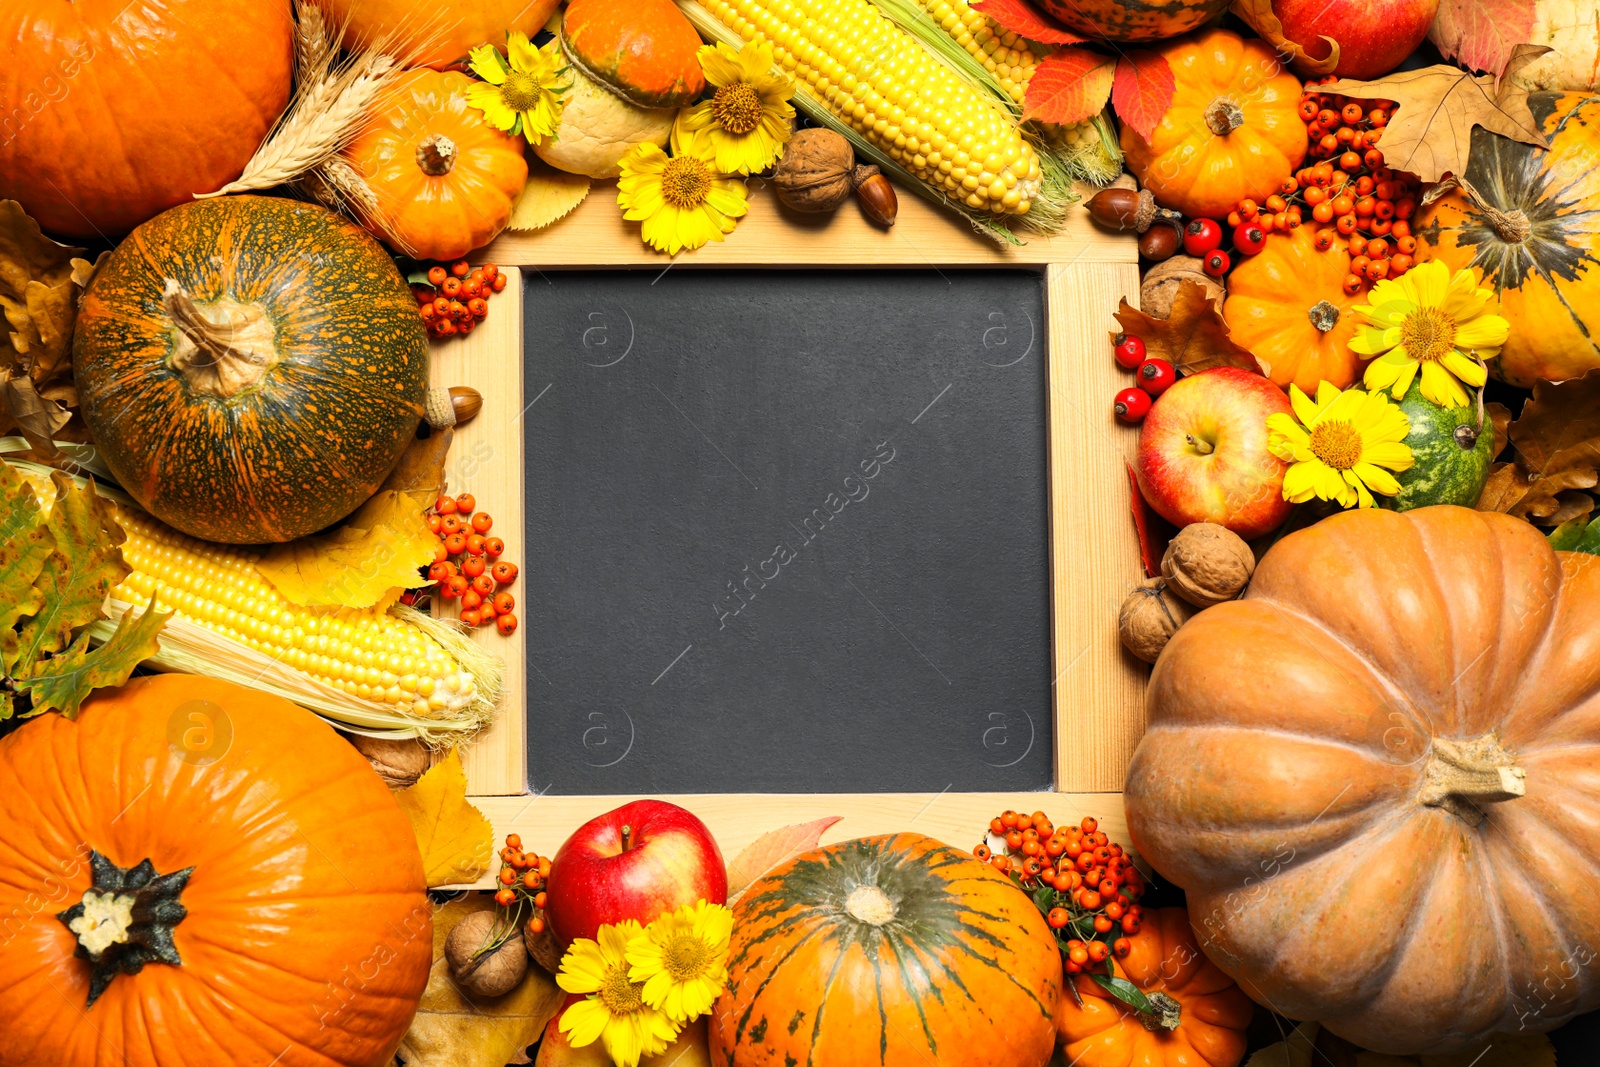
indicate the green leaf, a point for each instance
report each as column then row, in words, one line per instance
column 1573, row 536
column 62, row 682
column 419, row 277
column 1044, row 898
column 25, row 544
column 85, row 563
column 1126, row 992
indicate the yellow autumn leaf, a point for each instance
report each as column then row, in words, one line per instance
column 551, row 194
column 363, row 561
column 1294, row 1051
column 453, row 1028
column 456, row 841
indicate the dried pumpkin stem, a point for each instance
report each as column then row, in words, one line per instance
column 1461, row 776
column 1224, row 116
column 869, row 904
column 221, row 358
column 436, row 155
column 1167, row 1015
column 1324, row 316
column 125, row 920
column 1512, row 227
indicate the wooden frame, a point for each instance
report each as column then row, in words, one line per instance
column 1098, row 689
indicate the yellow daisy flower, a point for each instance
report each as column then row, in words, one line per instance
column 682, row 959
column 1340, row 446
column 1429, row 320
column 521, row 91
column 682, row 201
column 748, row 119
column 614, row 1012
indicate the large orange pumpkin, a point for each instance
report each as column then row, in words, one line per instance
column 1134, row 20
column 114, row 112
column 1203, row 1018
column 1233, row 130
column 1378, row 778
column 1530, row 227
column 1288, row 306
column 278, row 911
column 444, row 178
column 436, row 36
column 895, row 951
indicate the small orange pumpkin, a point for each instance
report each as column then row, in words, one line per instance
column 1204, row 1013
column 444, row 179
column 1233, row 130
column 645, row 51
column 1287, row 305
column 435, row 37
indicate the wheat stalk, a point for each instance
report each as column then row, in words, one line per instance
column 314, row 42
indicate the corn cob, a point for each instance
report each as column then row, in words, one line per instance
column 1002, row 52
column 898, row 96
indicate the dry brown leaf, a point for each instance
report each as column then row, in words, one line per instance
column 421, row 466
column 37, row 417
column 361, row 562
column 456, row 841
column 550, row 195
column 1557, row 455
column 772, row 848
column 455, row 1029
column 1500, row 417
column 1259, row 16
column 1193, row 337
column 1430, row 132
column 1507, row 484
column 1481, row 34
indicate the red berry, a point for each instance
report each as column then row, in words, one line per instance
column 1202, row 236
column 1132, row 405
column 1216, row 263
column 1129, row 351
column 1249, row 238
column 1058, row 918
column 1156, row 376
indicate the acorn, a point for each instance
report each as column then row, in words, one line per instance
column 875, row 195
column 1129, row 209
column 1161, row 241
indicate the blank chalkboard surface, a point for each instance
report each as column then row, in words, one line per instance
column 786, row 532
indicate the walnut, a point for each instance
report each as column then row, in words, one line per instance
column 398, row 763
column 1161, row 283
column 543, row 947
column 479, row 969
column 1149, row 618
column 814, row 174
column 1207, row 564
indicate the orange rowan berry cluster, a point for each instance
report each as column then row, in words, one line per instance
column 522, row 879
column 1083, row 883
column 455, row 299
column 467, row 564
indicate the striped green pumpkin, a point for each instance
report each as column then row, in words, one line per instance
column 894, row 951
column 1452, row 454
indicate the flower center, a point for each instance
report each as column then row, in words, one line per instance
column 1428, row 334
column 521, row 91
column 1337, row 444
column 685, row 182
column 685, row 957
column 620, row 996
column 737, row 108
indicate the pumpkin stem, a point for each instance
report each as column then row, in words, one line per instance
column 219, row 358
column 125, row 920
column 869, row 904
column 1166, row 1013
column 1224, row 116
column 436, row 155
column 1462, row 775
column 1324, row 316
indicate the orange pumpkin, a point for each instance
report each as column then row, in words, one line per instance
column 1134, row 20
column 263, row 928
column 895, row 951
column 1378, row 778
column 428, row 37
column 1287, row 305
column 645, row 51
column 114, row 113
column 1233, row 130
column 1203, row 1018
column 444, row 179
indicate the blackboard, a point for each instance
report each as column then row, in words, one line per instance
column 786, row 531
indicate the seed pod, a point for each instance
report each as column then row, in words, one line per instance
column 1149, row 617
column 1207, row 564
column 484, row 973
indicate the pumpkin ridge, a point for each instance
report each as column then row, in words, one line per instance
column 883, row 1014
column 822, row 1004
column 924, row 986
column 773, row 971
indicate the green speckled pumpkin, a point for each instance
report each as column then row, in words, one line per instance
column 1452, row 451
column 250, row 368
column 894, row 951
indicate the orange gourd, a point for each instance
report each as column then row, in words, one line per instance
column 435, row 37
column 287, row 922
column 1376, row 776
column 1133, row 20
column 1233, row 130
column 1287, row 305
column 443, row 178
column 645, row 51
column 893, row 951
column 1206, row 1011
column 114, row 113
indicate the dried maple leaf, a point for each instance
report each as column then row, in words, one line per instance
column 456, row 841
column 1259, row 16
column 1481, row 34
column 771, row 849
column 371, row 555
column 1430, row 133
column 1557, row 446
column 453, row 1028
column 550, row 195
column 1069, row 86
column 1193, row 337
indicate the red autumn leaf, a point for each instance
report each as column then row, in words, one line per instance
column 1069, row 86
column 1154, row 532
column 1142, row 90
column 1021, row 18
column 1480, row 34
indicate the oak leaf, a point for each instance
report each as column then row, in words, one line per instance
column 1481, row 34
column 1024, row 20
column 362, row 561
column 1193, row 337
column 1430, row 132
column 1069, row 86
column 1259, row 16
column 63, row 682
column 455, row 839
column 453, row 1028
column 1556, row 444
column 1142, row 89
column 550, row 195
column 773, row 848
column 1578, row 535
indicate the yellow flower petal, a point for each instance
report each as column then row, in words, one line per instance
column 1467, row 369
column 584, row 1022
column 1300, row 483
column 522, row 53
column 1429, row 282
column 1462, row 306
column 1441, row 387
column 1359, row 490
column 1392, row 291
column 1485, row 331
column 1391, row 454
column 1377, row 479
column 1370, row 341
column 1344, row 407
column 720, row 62
column 486, row 62
column 1305, row 409
column 486, row 98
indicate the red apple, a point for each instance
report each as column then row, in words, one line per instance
column 1203, row 453
column 1375, row 36
column 636, row 862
